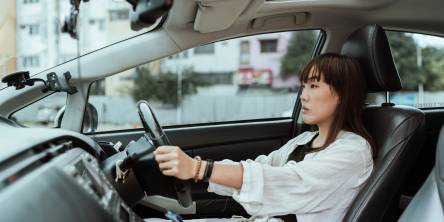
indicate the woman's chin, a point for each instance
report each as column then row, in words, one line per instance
column 309, row 121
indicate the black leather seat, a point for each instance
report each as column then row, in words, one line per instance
column 428, row 203
column 397, row 130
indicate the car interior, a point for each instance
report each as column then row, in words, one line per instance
column 69, row 174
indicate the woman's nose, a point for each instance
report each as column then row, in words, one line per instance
column 304, row 96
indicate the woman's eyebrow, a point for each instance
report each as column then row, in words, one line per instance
column 313, row 79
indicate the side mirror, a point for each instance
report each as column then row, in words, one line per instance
column 90, row 119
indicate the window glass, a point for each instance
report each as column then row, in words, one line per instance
column 230, row 80
column 41, row 113
column 419, row 60
column 31, row 38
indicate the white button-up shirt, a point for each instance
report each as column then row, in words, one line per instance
column 319, row 188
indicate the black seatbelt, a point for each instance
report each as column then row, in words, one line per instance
column 297, row 155
column 299, row 152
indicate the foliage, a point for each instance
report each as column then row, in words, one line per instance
column 98, row 87
column 299, row 52
column 164, row 86
column 405, row 54
column 403, row 49
column 433, row 68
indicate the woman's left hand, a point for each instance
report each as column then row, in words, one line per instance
column 174, row 162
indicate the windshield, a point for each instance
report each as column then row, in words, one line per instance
column 31, row 37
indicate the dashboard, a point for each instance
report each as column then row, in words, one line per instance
column 54, row 175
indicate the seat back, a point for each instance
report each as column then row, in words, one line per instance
column 428, row 203
column 397, row 130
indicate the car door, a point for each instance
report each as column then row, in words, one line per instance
column 210, row 106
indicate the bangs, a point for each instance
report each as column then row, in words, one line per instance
column 311, row 72
column 329, row 66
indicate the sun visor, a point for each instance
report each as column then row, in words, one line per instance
column 217, row 15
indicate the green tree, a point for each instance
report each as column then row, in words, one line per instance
column 433, row 68
column 163, row 87
column 405, row 54
column 299, row 51
column 403, row 49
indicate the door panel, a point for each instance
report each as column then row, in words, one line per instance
column 235, row 141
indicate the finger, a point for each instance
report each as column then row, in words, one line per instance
column 165, row 149
column 170, row 172
column 166, row 157
column 167, row 165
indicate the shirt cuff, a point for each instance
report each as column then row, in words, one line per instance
column 252, row 189
column 220, row 189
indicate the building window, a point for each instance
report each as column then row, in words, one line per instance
column 121, row 14
column 244, row 53
column 268, row 45
column 33, row 29
column 205, row 49
column 185, row 54
column 245, row 47
column 30, row 1
column 99, row 22
column 31, row 61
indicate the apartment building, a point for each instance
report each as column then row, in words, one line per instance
column 7, row 38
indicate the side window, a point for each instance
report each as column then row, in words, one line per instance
column 247, row 78
column 419, row 60
column 42, row 113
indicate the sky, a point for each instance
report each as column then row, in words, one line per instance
column 427, row 40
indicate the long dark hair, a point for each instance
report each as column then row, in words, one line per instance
column 344, row 75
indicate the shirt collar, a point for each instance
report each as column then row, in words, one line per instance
column 310, row 134
column 306, row 138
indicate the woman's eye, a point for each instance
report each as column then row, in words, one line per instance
column 313, row 86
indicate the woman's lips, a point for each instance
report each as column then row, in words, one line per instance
column 305, row 109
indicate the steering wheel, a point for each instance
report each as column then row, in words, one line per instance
column 155, row 136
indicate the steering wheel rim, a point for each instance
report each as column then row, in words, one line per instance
column 155, row 133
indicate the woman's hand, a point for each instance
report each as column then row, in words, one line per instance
column 174, row 162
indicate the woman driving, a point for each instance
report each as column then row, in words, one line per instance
column 315, row 175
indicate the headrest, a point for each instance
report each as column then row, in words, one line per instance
column 370, row 46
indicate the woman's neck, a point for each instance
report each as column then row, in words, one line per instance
column 322, row 137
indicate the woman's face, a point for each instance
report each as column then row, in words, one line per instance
column 319, row 101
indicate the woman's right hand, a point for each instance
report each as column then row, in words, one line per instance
column 174, row 162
